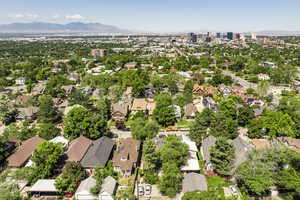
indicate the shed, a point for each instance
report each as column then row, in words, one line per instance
column 83, row 191
column 194, row 182
column 108, row 189
column 44, row 187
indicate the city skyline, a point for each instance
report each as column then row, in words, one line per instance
column 161, row 16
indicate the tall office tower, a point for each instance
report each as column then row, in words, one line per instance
column 192, row 37
column 230, row 35
column 218, row 35
column 253, row 36
column 209, row 34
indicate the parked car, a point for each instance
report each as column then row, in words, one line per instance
column 147, row 189
column 141, row 190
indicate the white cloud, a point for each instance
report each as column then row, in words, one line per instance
column 74, row 17
column 25, row 16
column 56, row 16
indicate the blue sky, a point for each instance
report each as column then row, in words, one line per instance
column 160, row 15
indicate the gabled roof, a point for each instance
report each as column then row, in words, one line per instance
column 194, row 182
column 121, row 108
column 190, row 110
column 207, row 143
column 192, row 145
column 24, row 152
column 129, row 149
column 109, row 185
column 242, row 149
column 139, row 104
column 78, row 148
column 85, row 186
column 99, row 153
column 44, row 185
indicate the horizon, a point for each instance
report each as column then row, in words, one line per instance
column 160, row 16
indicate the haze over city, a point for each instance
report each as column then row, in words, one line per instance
column 161, row 15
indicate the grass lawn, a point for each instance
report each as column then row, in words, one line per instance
column 184, row 124
column 217, row 183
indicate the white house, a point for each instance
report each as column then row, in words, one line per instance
column 263, row 77
column 20, row 81
column 83, row 191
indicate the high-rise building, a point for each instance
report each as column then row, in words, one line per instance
column 209, row 34
column 253, row 36
column 218, row 35
column 192, row 37
column 230, row 35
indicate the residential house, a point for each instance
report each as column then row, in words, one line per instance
column 27, row 113
column 119, row 113
column 268, row 64
column 207, row 144
column 78, row 148
column 60, row 139
column 208, row 102
column 108, row 189
column 130, row 65
column 83, row 192
column 151, row 105
column 177, row 111
column 192, row 164
column 38, row 89
column 44, row 187
column 75, row 77
column 139, row 105
column 241, row 149
column 126, row 156
column 292, row 143
column 20, row 81
column 261, row 143
column 204, row 90
column 68, row 89
column 24, row 152
column 98, row 154
column 22, row 99
column 190, row 111
column 194, row 182
column 263, row 77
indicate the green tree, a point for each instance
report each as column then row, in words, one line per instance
column 10, row 192
column 71, row 175
column 45, row 157
column 142, row 129
column 222, row 156
column 222, row 126
column 254, row 177
column 78, row 97
column 81, row 121
column 245, row 115
column 173, row 151
column 47, row 112
column 228, row 107
column 165, row 116
column 48, row 131
column 171, row 180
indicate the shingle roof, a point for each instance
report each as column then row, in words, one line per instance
column 190, row 110
column 78, row 148
column 206, row 145
column 193, row 182
column 109, row 185
column 242, row 149
column 44, row 185
column 86, row 185
column 99, row 153
column 24, row 152
column 139, row 104
column 128, row 150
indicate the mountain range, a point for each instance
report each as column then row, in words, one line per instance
column 74, row 27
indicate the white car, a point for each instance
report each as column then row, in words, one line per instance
column 141, row 190
column 148, row 189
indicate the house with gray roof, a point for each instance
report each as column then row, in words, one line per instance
column 98, row 154
column 194, row 182
column 207, row 144
column 83, row 192
column 108, row 189
column 241, row 149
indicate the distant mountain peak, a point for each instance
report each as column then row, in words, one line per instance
column 73, row 27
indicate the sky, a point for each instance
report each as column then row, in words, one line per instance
column 160, row 15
